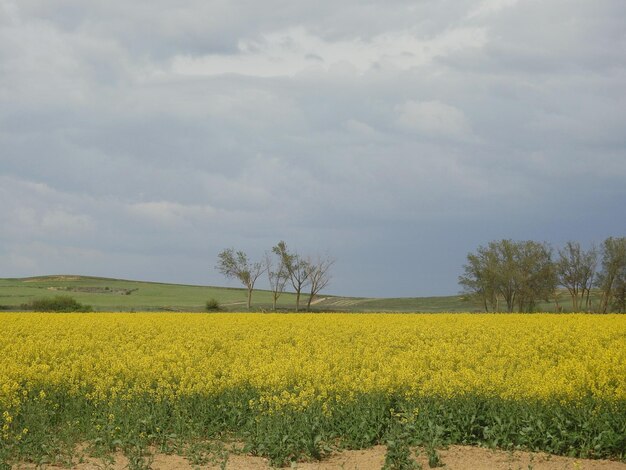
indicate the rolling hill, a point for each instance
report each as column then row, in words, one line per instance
column 126, row 295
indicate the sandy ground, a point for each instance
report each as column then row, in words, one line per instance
column 453, row 458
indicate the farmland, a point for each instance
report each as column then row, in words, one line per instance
column 297, row 386
column 106, row 294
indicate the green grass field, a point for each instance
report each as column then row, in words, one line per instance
column 124, row 295
column 106, row 294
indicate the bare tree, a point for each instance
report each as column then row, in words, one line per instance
column 591, row 261
column 278, row 277
column 575, row 269
column 319, row 276
column 297, row 269
column 237, row 265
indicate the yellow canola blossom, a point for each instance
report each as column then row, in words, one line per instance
column 296, row 360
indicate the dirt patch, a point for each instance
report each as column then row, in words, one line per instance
column 94, row 290
column 318, row 300
column 476, row 458
column 366, row 459
column 454, row 458
column 52, row 278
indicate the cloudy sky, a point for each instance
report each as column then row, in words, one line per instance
column 138, row 139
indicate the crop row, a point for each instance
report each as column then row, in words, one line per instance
column 299, row 385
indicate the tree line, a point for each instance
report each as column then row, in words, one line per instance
column 509, row 275
column 306, row 275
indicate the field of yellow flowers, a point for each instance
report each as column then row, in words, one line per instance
column 298, row 385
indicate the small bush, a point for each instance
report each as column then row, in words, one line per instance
column 212, row 305
column 60, row 303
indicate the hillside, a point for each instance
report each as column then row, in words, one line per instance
column 125, row 295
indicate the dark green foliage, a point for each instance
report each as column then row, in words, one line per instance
column 212, row 305
column 521, row 273
column 288, row 436
column 575, row 269
column 434, row 460
column 56, row 423
column 399, row 436
column 611, row 279
column 618, row 300
column 60, row 303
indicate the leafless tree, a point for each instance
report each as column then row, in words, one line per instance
column 319, row 276
column 237, row 265
column 278, row 276
column 297, row 269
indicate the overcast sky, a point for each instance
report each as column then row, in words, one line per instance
column 138, row 139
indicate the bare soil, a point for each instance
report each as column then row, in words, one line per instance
column 51, row 278
column 453, row 458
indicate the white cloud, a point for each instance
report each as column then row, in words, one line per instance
column 62, row 221
column 171, row 214
column 294, row 50
column 362, row 130
column 122, row 122
column 433, row 118
column 33, row 258
column 488, row 7
column 37, row 210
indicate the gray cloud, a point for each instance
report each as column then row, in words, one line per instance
column 139, row 139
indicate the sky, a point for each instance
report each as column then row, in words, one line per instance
column 139, row 139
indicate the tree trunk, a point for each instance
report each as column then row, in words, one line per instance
column 297, row 300
column 606, row 294
column 249, row 298
column 589, row 286
column 575, row 301
column 510, row 304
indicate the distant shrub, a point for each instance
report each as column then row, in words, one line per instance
column 212, row 305
column 60, row 303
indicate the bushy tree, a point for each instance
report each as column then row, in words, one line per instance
column 619, row 294
column 480, row 278
column 60, row 303
column 522, row 273
column 611, row 279
column 575, row 269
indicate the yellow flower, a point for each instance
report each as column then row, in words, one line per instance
column 306, row 360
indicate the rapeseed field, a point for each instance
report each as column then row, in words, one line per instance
column 299, row 385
